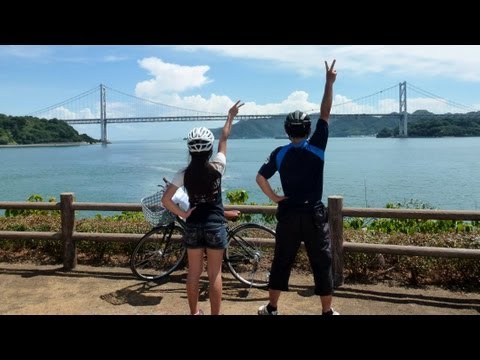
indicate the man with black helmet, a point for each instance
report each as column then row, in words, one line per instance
column 301, row 214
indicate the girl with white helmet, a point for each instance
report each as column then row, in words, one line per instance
column 205, row 221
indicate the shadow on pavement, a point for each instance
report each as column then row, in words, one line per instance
column 405, row 298
column 60, row 271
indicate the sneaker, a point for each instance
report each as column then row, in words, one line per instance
column 262, row 310
column 331, row 312
column 199, row 312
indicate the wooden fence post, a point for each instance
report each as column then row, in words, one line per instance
column 68, row 224
column 335, row 220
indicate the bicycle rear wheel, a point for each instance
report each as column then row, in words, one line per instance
column 158, row 253
column 249, row 253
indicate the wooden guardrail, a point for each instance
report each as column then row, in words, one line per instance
column 68, row 234
column 336, row 211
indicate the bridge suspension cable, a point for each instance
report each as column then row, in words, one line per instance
column 367, row 96
column 439, row 98
column 368, row 104
column 61, row 104
column 161, row 104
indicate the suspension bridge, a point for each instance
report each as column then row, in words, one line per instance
column 91, row 107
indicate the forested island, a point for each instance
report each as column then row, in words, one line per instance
column 421, row 123
column 27, row 130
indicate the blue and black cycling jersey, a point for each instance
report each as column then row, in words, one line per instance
column 301, row 169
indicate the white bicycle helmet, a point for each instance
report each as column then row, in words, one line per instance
column 200, row 139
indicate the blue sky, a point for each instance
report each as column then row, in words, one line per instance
column 269, row 79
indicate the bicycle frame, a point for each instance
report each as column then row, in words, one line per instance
column 156, row 256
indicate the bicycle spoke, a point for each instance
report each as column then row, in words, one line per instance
column 158, row 253
column 249, row 253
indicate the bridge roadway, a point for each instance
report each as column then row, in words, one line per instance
column 165, row 119
column 238, row 117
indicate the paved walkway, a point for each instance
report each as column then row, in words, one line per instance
column 42, row 289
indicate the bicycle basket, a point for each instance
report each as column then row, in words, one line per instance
column 153, row 210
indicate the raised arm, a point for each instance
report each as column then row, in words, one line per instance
column 222, row 144
column 327, row 99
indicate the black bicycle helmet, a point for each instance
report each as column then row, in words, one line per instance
column 297, row 124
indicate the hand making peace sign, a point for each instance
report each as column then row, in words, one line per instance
column 234, row 109
column 331, row 72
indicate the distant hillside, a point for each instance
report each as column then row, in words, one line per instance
column 23, row 130
column 345, row 126
column 255, row 129
column 423, row 124
column 340, row 126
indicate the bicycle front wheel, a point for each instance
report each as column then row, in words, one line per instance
column 249, row 253
column 158, row 253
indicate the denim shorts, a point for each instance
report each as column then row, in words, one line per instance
column 211, row 236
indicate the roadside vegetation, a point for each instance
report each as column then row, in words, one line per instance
column 453, row 273
column 401, row 270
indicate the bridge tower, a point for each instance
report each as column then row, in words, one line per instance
column 103, row 115
column 403, row 123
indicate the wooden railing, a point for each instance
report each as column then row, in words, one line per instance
column 336, row 211
column 68, row 234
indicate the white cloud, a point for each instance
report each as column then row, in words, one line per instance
column 296, row 100
column 117, row 109
column 431, row 105
column 113, row 58
column 343, row 105
column 449, row 61
column 25, row 51
column 87, row 114
column 61, row 113
column 52, row 54
column 214, row 104
column 64, row 113
column 169, row 78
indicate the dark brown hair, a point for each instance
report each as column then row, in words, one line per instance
column 201, row 178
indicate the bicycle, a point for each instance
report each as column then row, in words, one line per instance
column 160, row 251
